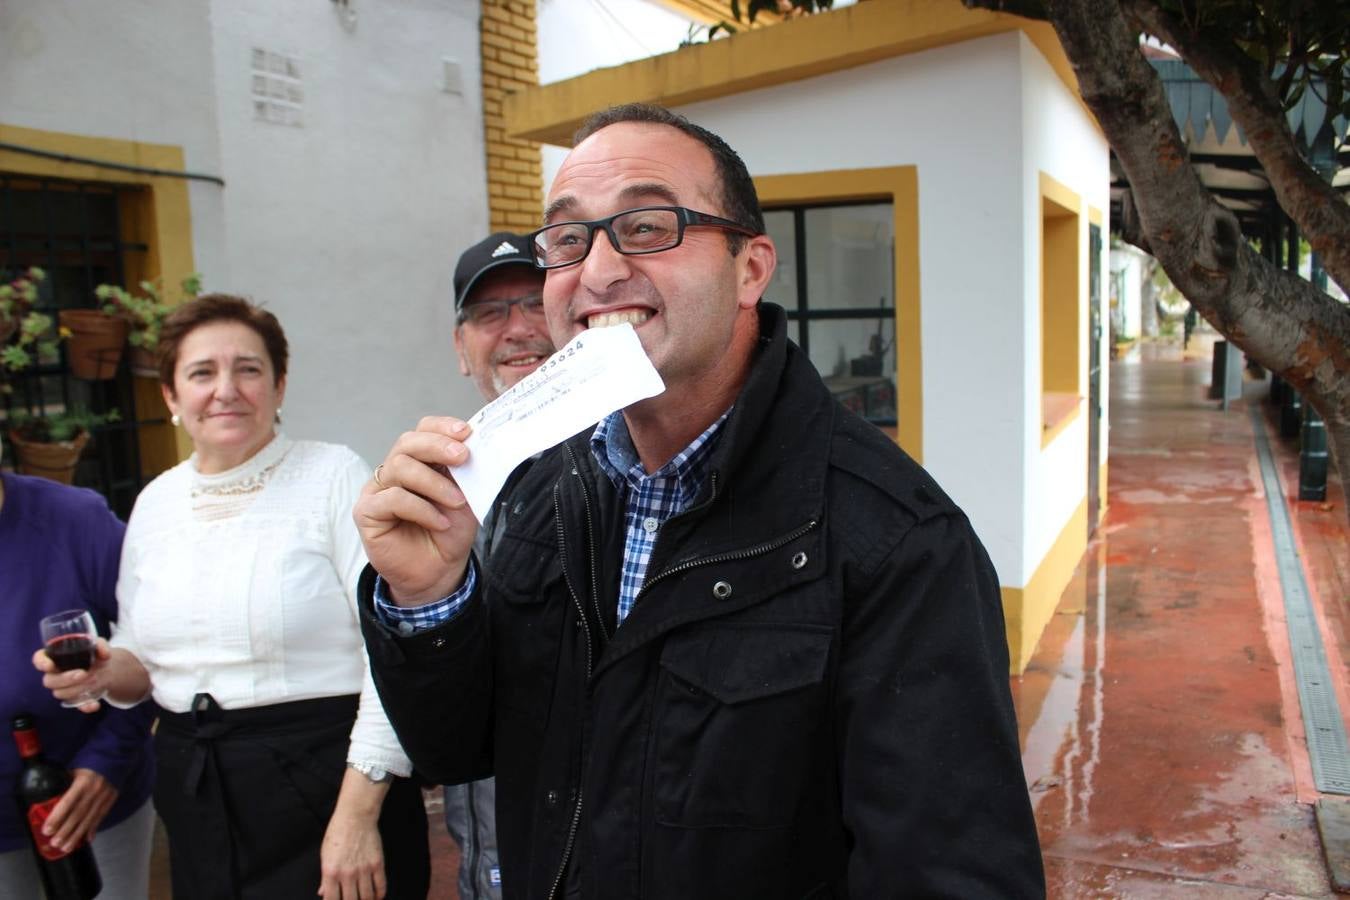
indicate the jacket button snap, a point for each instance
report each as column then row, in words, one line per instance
column 798, row 560
column 551, row 798
column 438, row 643
column 722, row 590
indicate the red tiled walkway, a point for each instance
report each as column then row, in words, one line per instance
column 1161, row 731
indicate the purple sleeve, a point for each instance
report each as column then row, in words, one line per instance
column 119, row 738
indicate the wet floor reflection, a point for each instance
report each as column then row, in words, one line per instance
column 1155, row 733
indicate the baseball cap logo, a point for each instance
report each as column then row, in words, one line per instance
column 503, row 249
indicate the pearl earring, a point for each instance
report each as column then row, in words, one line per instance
column 277, row 417
column 175, row 420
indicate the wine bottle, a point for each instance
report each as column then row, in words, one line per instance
column 66, row 874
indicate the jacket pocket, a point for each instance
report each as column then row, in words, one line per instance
column 522, row 571
column 527, row 608
column 735, row 730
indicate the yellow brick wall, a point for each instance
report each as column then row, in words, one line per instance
column 510, row 62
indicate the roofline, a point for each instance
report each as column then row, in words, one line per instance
column 799, row 48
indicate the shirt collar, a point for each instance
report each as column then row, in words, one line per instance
column 612, row 447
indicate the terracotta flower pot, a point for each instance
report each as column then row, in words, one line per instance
column 95, row 343
column 56, row 460
column 143, row 362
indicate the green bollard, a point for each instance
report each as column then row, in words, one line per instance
column 1312, row 456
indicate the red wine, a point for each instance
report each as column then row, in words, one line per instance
column 66, row 875
column 74, row 651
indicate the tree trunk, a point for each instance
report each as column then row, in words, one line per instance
column 1281, row 321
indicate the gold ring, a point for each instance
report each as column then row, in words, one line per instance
column 376, row 476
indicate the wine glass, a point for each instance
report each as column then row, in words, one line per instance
column 69, row 638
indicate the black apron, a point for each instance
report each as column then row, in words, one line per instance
column 246, row 794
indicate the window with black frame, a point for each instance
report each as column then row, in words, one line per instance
column 73, row 232
column 836, row 279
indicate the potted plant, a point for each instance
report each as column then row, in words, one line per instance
column 25, row 335
column 95, row 341
column 50, row 445
column 145, row 314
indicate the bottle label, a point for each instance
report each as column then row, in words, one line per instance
column 28, row 743
column 37, row 817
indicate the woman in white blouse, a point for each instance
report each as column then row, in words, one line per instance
column 238, row 615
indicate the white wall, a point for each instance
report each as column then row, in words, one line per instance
column 1127, row 270
column 138, row 70
column 900, row 112
column 349, row 226
column 1060, row 140
column 578, row 36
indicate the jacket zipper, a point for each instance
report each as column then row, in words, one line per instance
column 581, row 616
column 748, row 553
column 590, row 540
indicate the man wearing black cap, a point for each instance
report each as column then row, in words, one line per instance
column 500, row 332
column 500, row 337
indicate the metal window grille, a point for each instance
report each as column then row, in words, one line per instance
column 73, row 230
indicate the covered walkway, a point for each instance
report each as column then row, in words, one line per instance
column 1160, row 720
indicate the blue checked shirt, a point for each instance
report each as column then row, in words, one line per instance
column 651, row 501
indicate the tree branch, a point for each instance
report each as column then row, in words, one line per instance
column 1321, row 212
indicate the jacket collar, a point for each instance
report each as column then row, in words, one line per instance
column 767, row 484
column 774, row 445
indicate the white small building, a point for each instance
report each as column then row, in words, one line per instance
column 938, row 194
column 1130, row 267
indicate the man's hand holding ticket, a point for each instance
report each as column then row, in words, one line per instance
column 418, row 525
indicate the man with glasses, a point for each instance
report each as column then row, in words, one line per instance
column 500, row 337
column 731, row 642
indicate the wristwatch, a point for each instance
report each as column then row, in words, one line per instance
column 374, row 774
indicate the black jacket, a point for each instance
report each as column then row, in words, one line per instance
column 809, row 698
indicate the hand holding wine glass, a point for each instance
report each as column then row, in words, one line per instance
column 70, row 642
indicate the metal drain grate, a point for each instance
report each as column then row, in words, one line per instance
column 1322, row 720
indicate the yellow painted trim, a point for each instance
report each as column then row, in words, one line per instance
column 900, row 186
column 160, row 217
column 1060, row 194
column 1095, row 218
column 1054, row 429
column 1027, row 610
column 763, row 57
column 1061, row 285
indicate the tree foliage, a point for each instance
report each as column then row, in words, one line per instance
column 1296, row 45
column 784, row 8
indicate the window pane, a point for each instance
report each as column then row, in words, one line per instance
column 850, row 265
column 860, row 368
column 849, row 257
column 778, row 224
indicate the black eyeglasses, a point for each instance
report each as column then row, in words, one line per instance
column 633, row 232
column 493, row 314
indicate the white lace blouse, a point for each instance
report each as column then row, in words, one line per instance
column 242, row 585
